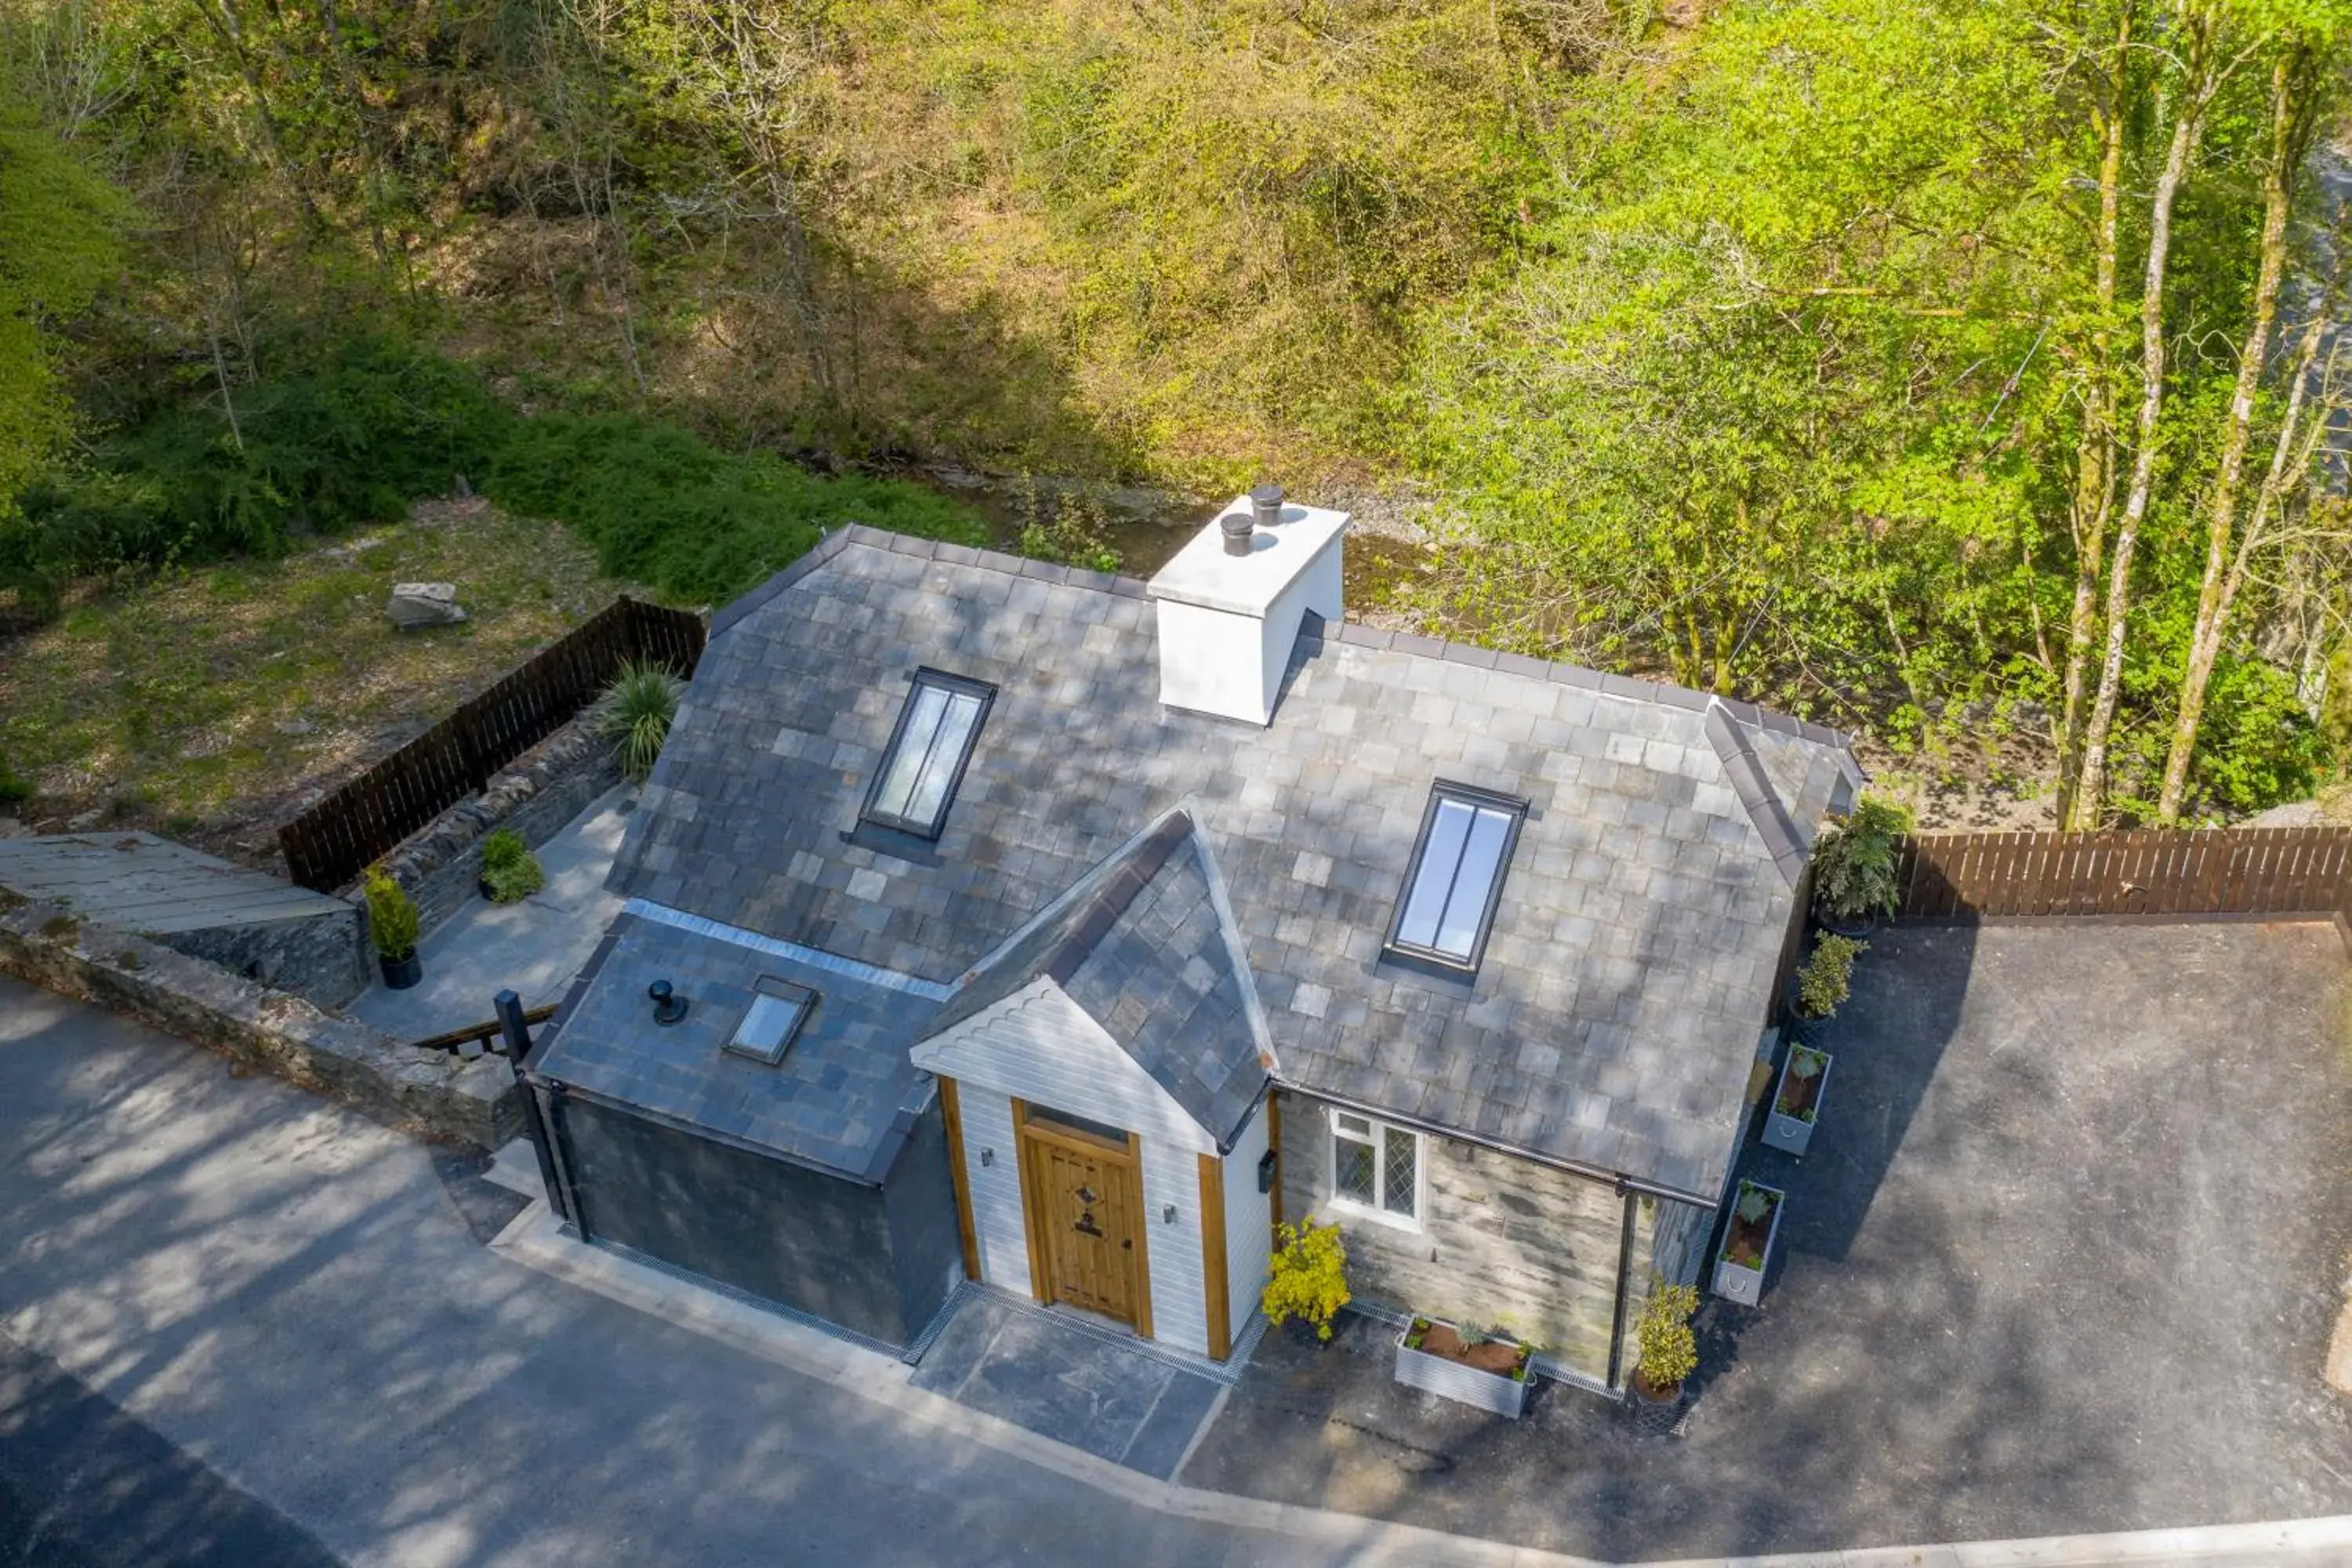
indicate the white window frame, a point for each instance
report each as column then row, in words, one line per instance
column 1378, row 1137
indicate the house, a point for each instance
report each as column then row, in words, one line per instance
column 1065, row 932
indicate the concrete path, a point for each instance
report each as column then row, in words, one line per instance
column 536, row 946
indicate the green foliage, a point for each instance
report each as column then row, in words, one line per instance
column 350, row 438
column 392, row 915
column 635, row 713
column 1071, row 531
column 14, row 790
column 511, row 871
column 1853, row 863
column 1754, row 1203
column 1827, row 977
column 662, row 506
column 1669, row 1350
column 1308, row 1276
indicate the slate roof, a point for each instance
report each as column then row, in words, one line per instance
column 1142, row 948
column 1614, row 1018
column 844, row 1099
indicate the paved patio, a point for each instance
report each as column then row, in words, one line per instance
column 536, row 946
column 1067, row 1381
column 2065, row 1257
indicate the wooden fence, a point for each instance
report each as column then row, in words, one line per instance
column 330, row 844
column 2219, row 871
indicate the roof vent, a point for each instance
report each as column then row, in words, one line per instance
column 668, row 1006
column 1231, row 601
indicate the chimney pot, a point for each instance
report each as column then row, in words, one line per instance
column 1266, row 503
column 1236, row 527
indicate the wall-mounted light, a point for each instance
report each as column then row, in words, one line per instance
column 1265, row 1172
column 987, row 1157
column 1168, row 1215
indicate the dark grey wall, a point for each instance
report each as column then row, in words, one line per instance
column 920, row 1196
column 782, row 1232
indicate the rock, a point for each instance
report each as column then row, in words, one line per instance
column 85, row 822
column 415, row 604
column 12, row 828
column 297, row 727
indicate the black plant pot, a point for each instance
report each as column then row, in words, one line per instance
column 482, row 885
column 1655, row 1416
column 400, row 973
column 1852, row 927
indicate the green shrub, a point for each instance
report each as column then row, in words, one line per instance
column 14, row 790
column 1827, row 978
column 1307, row 1278
column 348, row 437
column 1669, row 1350
column 391, row 916
column 510, row 870
column 1072, row 531
column 635, row 713
column 1853, row 864
column 659, row 505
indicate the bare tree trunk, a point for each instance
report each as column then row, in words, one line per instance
column 2094, row 460
column 2287, row 102
column 2189, row 125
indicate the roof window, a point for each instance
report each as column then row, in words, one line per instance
column 1446, row 908
column 778, row 1010
column 920, row 772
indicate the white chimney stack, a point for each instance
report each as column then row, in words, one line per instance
column 1231, row 601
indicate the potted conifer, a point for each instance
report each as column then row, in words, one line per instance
column 1823, row 984
column 1747, row 1243
column 1797, row 1100
column 1854, row 882
column 1669, row 1354
column 392, row 927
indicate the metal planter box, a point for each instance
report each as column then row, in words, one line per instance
column 1487, row 1391
column 1736, row 1282
column 1791, row 1135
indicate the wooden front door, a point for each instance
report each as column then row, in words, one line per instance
column 1082, row 1196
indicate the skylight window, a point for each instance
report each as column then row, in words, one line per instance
column 778, row 1010
column 1447, row 906
column 928, row 753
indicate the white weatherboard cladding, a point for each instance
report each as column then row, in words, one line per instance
column 1227, row 623
column 1249, row 1221
column 995, row 1187
column 1040, row 1046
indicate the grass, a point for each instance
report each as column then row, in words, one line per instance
column 210, row 703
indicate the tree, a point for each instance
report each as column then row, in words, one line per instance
column 2305, row 78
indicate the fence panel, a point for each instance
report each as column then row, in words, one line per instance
column 330, row 844
column 2213, row 872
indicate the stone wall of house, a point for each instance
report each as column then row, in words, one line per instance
column 1502, row 1241
column 542, row 791
column 273, row 1031
column 323, row 958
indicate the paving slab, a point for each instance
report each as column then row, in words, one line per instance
column 2064, row 1257
column 1067, row 1382
column 536, row 946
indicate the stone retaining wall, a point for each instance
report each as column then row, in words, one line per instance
column 545, row 789
column 432, row 1092
column 325, row 958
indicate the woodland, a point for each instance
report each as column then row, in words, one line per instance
column 1965, row 373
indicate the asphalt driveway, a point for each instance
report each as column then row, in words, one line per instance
column 241, row 1326
column 2064, row 1257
